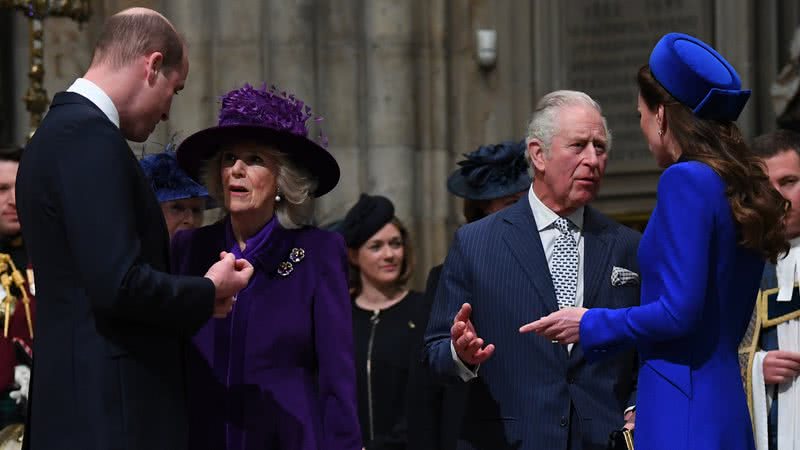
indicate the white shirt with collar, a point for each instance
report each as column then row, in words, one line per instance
column 94, row 94
column 545, row 222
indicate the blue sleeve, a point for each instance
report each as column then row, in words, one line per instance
column 688, row 195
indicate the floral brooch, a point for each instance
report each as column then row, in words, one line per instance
column 295, row 256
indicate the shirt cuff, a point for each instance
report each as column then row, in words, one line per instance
column 463, row 371
column 629, row 409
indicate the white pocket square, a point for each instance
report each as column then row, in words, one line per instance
column 621, row 276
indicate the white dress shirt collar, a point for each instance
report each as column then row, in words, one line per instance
column 94, row 94
column 788, row 271
column 545, row 217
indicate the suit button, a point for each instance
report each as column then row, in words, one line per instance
column 563, row 421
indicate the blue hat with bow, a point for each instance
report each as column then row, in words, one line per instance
column 168, row 180
column 491, row 171
column 698, row 77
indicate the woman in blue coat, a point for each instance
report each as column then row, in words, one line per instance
column 716, row 219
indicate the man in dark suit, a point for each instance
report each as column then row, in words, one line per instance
column 489, row 179
column 111, row 322
column 549, row 250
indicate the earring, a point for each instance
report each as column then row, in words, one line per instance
column 278, row 196
column 660, row 132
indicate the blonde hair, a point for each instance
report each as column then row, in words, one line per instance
column 295, row 184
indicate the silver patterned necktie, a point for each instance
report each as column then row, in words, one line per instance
column 564, row 264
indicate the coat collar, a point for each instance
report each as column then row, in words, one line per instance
column 266, row 260
column 275, row 251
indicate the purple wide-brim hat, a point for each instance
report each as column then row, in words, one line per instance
column 264, row 116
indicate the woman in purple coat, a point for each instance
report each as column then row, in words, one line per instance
column 278, row 372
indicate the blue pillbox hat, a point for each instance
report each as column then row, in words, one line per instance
column 698, row 77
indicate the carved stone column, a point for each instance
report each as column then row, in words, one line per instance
column 288, row 30
column 734, row 35
column 390, row 121
column 432, row 201
column 237, row 46
column 195, row 107
column 341, row 94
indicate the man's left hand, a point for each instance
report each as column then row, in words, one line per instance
column 562, row 326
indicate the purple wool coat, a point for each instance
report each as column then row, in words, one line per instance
column 278, row 372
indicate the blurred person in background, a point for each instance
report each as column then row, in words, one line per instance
column 182, row 199
column 15, row 348
column 387, row 319
column 772, row 351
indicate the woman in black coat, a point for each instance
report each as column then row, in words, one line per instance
column 387, row 319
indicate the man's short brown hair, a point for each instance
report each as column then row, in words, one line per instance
column 778, row 141
column 11, row 153
column 129, row 35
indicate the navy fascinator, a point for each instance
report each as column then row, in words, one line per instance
column 491, row 171
column 168, row 180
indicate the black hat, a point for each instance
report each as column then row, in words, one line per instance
column 365, row 218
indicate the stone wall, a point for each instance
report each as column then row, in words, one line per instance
column 400, row 88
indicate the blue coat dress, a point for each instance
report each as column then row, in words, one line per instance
column 698, row 291
column 278, row 372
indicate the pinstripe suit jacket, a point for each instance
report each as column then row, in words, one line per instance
column 522, row 395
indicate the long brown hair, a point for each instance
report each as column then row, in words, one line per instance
column 757, row 207
column 406, row 269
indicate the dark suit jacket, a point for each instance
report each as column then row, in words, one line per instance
column 111, row 323
column 434, row 409
column 523, row 394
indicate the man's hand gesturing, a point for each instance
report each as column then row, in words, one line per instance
column 469, row 347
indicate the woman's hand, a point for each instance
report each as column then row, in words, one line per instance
column 562, row 326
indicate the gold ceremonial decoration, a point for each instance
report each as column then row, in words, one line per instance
column 9, row 274
column 35, row 97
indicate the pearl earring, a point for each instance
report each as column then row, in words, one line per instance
column 278, row 197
